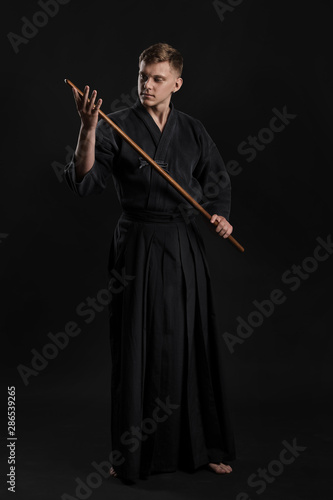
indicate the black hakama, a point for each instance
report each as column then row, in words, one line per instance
column 167, row 384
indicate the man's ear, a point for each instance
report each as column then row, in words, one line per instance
column 179, row 83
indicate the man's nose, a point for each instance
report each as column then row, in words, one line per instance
column 147, row 83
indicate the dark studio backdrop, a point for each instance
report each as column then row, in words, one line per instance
column 257, row 74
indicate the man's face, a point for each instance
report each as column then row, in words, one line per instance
column 157, row 82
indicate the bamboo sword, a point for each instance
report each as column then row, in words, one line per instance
column 157, row 167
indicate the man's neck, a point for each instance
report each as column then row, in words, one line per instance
column 159, row 114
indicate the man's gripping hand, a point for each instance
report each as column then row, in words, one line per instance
column 224, row 228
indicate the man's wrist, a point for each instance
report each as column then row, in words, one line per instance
column 87, row 131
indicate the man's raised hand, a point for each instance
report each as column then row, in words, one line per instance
column 88, row 110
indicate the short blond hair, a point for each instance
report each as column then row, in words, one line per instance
column 160, row 52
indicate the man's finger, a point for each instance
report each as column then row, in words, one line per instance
column 98, row 105
column 228, row 232
column 92, row 101
column 85, row 96
column 77, row 97
column 220, row 226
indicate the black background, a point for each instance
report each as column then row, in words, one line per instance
column 54, row 245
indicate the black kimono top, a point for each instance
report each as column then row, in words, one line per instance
column 184, row 149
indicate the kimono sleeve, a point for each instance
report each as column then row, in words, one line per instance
column 214, row 179
column 95, row 180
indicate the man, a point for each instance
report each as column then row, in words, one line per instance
column 167, row 397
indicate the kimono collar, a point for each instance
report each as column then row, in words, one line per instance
column 150, row 123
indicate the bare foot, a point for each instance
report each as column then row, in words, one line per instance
column 113, row 472
column 220, row 468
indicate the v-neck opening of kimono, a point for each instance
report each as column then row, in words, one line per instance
column 161, row 140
